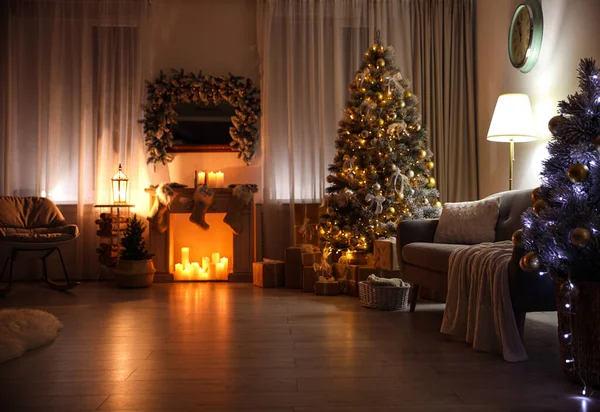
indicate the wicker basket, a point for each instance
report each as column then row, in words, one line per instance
column 383, row 297
column 585, row 327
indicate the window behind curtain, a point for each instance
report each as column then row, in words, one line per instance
column 115, row 63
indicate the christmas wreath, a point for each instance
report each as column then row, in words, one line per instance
column 166, row 92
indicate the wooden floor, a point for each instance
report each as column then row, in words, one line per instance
column 234, row 347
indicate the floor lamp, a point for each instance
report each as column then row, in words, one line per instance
column 512, row 123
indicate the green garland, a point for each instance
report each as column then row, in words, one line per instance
column 166, row 92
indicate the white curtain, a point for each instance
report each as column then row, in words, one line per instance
column 309, row 52
column 71, row 105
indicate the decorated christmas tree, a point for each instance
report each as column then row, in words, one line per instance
column 560, row 231
column 133, row 243
column 381, row 170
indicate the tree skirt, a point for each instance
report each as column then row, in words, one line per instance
column 24, row 329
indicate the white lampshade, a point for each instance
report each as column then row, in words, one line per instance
column 512, row 120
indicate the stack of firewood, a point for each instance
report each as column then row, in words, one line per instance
column 109, row 226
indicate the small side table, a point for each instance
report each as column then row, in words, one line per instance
column 110, row 234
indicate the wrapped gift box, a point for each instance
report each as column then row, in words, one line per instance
column 331, row 288
column 356, row 273
column 352, row 288
column 269, row 274
column 309, row 259
column 309, row 278
column 293, row 268
column 384, row 252
column 306, row 221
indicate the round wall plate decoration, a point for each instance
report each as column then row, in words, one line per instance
column 525, row 35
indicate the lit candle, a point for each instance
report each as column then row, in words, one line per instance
column 178, row 271
column 216, row 258
column 201, row 178
column 220, row 179
column 212, row 180
column 196, row 270
column 185, row 256
column 212, row 274
column 205, row 263
column 203, row 274
column 220, row 269
column 186, row 274
column 225, row 263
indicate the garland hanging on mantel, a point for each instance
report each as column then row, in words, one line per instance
column 168, row 91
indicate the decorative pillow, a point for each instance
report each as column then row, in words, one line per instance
column 468, row 223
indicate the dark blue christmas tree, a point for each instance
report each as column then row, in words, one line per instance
column 561, row 230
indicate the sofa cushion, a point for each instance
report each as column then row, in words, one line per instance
column 432, row 256
column 468, row 223
column 29, row 212
column 39, row 235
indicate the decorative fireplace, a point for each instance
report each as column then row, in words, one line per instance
column 185, row 242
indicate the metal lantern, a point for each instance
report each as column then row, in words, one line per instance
column 119, row 184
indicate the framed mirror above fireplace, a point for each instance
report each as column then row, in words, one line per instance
column 202, row 128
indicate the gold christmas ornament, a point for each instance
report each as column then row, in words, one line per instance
column 364, row 134
column 438, row 204
column 430, row 182
column 536, row 194
column 578, row 173
column 381, row 49
column 530, row 262
column 402, row 104
column 555, row 121
column 363, row 89
column 335, row 230
column 374, row 47
column 379, row 95
column 380, row 122
column 410, row 174
column 539, row 206
column 517, row 238
column 429, row 165
column 580, row 237
column 400, row 196
column 422, row 154
column 391, row 210
column 407, row 94
column 380, row 62
column 392, row 116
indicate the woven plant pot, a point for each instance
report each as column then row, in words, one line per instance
column 584, row 344
column 134, row 273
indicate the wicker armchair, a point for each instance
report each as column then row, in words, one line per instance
column 34, row 224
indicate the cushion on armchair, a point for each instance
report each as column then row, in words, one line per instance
column 40, row 234
column 468, row 223
column 29, row 212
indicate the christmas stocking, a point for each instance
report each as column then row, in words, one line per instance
column 242, row 195
column 162, row 201
column 203, row 198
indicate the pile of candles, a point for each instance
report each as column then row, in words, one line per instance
column 216, row 268
column 210, row 179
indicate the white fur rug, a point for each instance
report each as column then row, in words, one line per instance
column 24, row 329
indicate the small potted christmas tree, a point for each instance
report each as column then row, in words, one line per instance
column 135, row 268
